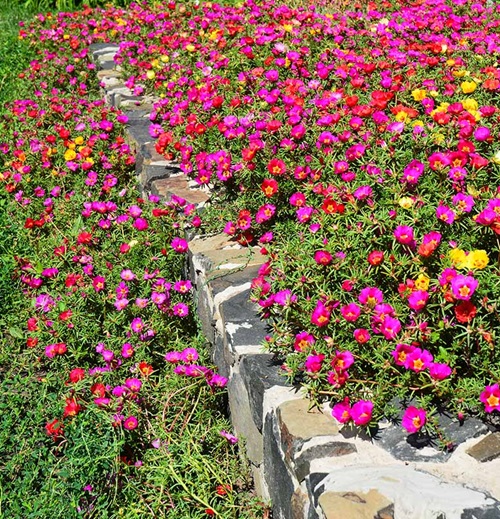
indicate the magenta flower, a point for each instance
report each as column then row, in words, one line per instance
column 322, row 257
column 134, row 384
column 464, row 203
column 361, row 412
column 321, row 314
column 179, row 245
column 463, row 287
column 390, row 327
column 490, row 397
column 404, row 234
column 439, row 371
column 98, row 283
column 127, row 350
column 342, row 412
column 303, row 341
column 412, row 172
column 361, row 335
column 141, row 224
column 313, row 363
column 445, row 214
column 173, row 357
column 414, row 419
column 188, row 355
column 217, row 380
column 350, row 312
column 231, row 438
column 401, row 353
column 130, row 423
column 418, row 299
column 137, row 325
column 180, row 310
column 418, row 360
column 343, row 360
column 370, row 296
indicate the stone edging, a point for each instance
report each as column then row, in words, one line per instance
column 302, row 460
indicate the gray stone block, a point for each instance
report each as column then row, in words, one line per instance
column 260, row 372
column 278, row 478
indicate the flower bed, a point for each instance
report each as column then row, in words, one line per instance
column 109, row 404
column 360, row 149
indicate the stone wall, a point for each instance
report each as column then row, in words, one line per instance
column 305, row 463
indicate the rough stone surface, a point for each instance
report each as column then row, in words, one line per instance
column 178, row 185
column 241, row 417
column 298, row 423
column 486, row 449
column 259, row 373
column 331, row 449
column 299, row 504
column 414, row 493
column 422, row 447
column 359, row 505
column 280, row 484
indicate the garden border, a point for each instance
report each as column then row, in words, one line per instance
column 305, row 463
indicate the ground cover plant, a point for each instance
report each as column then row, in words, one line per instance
column 108, row 405
column 359, row 146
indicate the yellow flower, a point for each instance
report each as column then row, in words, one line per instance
column 450, row 62
column 406, row 202
column 477, row 259
column 496, row 158
column 438, row 138
column 459, row 73
column 69, row 154
column 458, row 258
column 288, row 27
column 468, row 86
column 419, row 94
column 417, row 123
column 79, row 140
column 401, row 117
column 422, row 282
column 165, row 58
column 470, row 104
column 190, row 47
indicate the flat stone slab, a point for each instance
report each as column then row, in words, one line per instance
column 415, row 494
column 486, row 449
column 359, row 505
column 166, row 187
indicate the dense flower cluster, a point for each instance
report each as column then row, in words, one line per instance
column 358, row 148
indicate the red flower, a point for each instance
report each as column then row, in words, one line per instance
column 145, row 368
column 72, row 408
column 83, row 238
column 276, row 167
column 54, row 429
column 465, row 312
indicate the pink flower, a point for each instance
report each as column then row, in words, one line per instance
column 321, row 314
column 231, row 438
column 445, row 214
column 439, row 371
column 350, row 312
column 322, row 257
column 337, row 378
column 418, row 360
column 418, row 299
column 414, row 419
column 490, row 397
column 390, row 327
column 370, row 296
column 303, row 341
column 361, row 412
column 412, row 172
column 463, row 287
column 188, row 355
column 137, row 325
column 343, row 360
column 313, row 363
column 180, row 310
column 179, row 245
column 342, row 412
column 134, row 384
column 141, row 224
column 130, row 423
column 98, row 283
column 361, row 335
column 404, row 234
column 173, row 357
column 401, row 353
